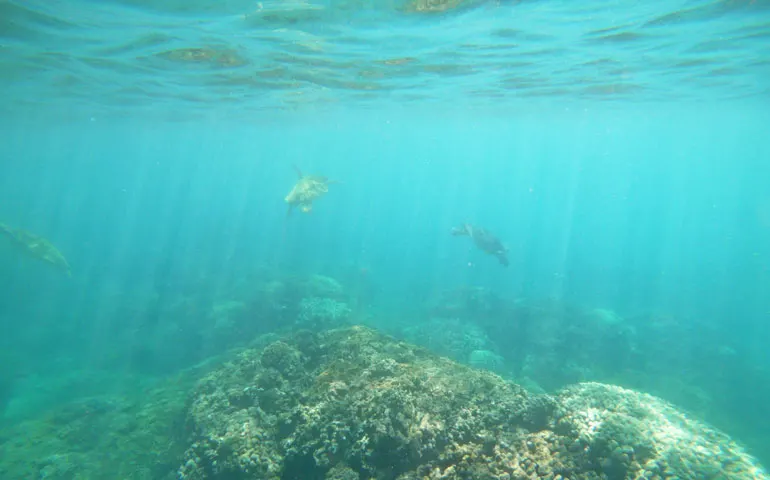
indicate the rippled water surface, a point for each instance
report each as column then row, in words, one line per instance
column 290, row 54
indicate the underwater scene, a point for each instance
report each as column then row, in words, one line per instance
column 385, row 240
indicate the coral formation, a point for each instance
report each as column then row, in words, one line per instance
column 452, row 337
column 100, row 437
column 488, row 360
column 352, row 403
column 320, row 286
column 635, row 435
column 319, row 313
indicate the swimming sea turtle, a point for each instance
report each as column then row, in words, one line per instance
column 37, row 247
column 484, row 240
column 307, row 189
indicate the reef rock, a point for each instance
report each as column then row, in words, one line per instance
column 634, row 435
column 321, row 313
column 355, row 404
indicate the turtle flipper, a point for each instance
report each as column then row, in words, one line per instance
column 299, row 172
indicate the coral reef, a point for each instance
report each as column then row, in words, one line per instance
column 320, row 286
column 548, row 344
column 318, row 313
column 488, row 360
column 352, row 403
column 279, row 303
column 467, row 303
column 183, row 328
column 101, row 437
column 452, row 337
column 348, row 404
column 635, row 435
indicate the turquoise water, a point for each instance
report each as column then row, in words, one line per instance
column 619, row 150
column 251, row 56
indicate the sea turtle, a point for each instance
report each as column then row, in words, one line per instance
column 37, row 247
column 307, row 189
column 484, row 240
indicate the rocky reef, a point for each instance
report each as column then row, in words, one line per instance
column 352, row 403
column 130, row 437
